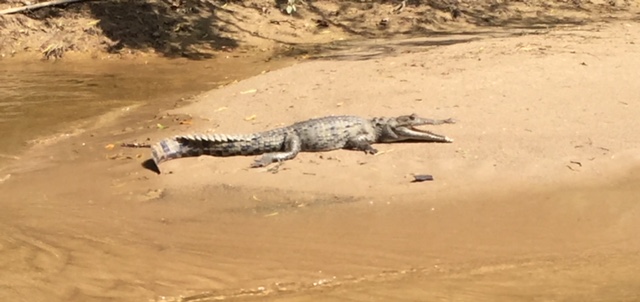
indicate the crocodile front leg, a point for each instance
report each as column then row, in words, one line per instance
column 362, row 144
column 292, row 148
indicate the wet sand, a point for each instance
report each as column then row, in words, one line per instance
column 574, row 243
column 535, row 200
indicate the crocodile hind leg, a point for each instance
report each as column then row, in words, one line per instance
column 292, row 148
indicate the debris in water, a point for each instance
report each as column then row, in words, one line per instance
column 9, row 156
column 5, row 178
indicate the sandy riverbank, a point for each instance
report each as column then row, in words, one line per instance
column 536, row 197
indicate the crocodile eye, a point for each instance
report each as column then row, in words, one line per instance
column 413, row 117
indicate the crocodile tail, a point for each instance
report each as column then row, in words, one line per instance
column 199, row 144
column 167, row 149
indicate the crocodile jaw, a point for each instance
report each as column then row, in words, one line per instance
column 411, row 133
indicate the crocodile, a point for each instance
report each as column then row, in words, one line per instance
column 319, row 134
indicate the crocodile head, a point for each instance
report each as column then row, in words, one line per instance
column 404, row 128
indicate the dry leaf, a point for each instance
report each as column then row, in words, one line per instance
column 109, row 146
column 250, row 118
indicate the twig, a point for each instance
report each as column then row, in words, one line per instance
column 135, row 145
column 400, row 7
column 36, row 6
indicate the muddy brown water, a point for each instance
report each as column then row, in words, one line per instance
column 44, row 98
